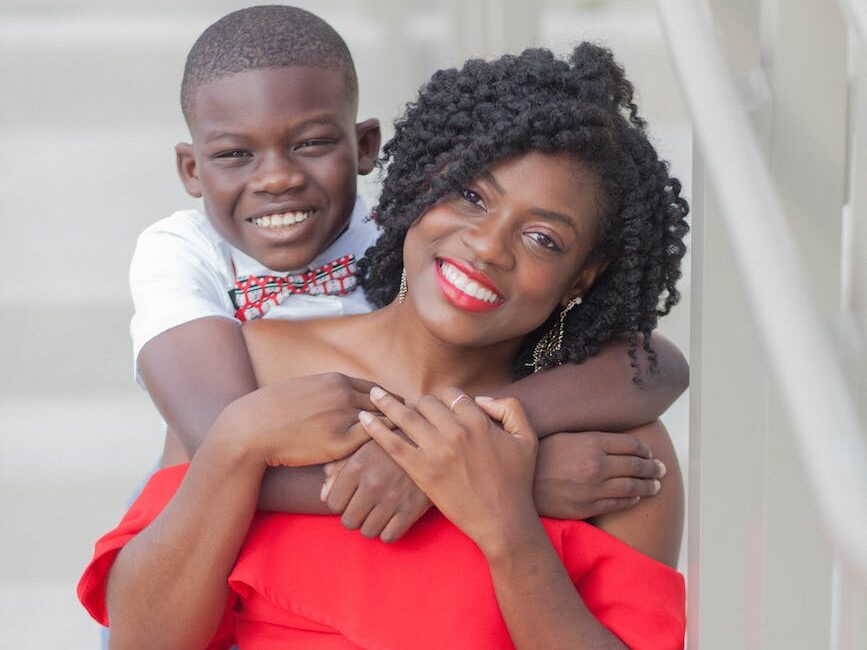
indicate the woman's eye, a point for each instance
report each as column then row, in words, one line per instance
column 544, row 240
column 472, row 197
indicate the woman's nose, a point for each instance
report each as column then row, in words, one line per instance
column 277, row 174
column 489, row 239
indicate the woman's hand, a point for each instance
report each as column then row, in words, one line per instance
column 479, row 474
column 302, row 421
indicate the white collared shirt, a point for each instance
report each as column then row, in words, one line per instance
column 182, row 270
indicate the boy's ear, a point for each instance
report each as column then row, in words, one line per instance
column 369, row 138
column 586, row 277
column 187, row 169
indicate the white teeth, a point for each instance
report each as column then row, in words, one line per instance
column 281, row 220
column 465, row 284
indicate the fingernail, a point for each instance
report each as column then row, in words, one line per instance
column 376, row 393
column 656, row 485
column 323, row 493
column 661, row 467
column 365, row 417
column 483, row 398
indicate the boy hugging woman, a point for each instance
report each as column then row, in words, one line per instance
column 270, row 96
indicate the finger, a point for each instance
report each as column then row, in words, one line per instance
column 466, row 412
column 510, row 413
column 341, row 491
column 457, row 401
column 402, row 451
column 408, row 420
column 357, row 510
column 365, row 386
column 396, row 527
column 361, row 385
column 326, row 487
column 633, row 466
column 354, row 438
column 623, row 443
column 437, row 412
column 377, row 519
column 629, row 488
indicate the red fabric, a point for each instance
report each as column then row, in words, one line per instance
column 304, row 581
column 92, row 586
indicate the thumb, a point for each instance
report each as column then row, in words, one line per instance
column 509, row 412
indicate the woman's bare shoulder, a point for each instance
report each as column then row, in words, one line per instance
column 655, row 525
column 280, row 349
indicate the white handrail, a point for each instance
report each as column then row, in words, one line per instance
column 799, row 348
column 856, row 10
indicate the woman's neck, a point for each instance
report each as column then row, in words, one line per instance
column 405, row 357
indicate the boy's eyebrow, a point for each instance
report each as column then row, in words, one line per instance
column 217, row 135
column 325, row 121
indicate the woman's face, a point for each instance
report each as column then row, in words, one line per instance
column 491, row 264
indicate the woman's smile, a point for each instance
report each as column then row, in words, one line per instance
column 465, row 287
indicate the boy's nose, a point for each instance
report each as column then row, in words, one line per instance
column 277, row 174
column 489, row 239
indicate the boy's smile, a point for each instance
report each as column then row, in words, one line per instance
column 275, row 156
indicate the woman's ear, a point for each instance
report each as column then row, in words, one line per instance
column 187, row 170
column 369, row 138
column 586, row 277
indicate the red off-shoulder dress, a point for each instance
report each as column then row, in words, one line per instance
column 304, row 581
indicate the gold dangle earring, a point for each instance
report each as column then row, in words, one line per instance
column 552, row 341
column 401, row 292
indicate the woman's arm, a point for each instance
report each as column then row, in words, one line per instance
column 534, row 592
column 167, row 588
column 462, row 452
column 599, row 394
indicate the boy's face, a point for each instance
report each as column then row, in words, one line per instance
column 275, row 156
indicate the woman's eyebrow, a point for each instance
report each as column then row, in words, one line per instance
column 489, row 177
column 555, row 216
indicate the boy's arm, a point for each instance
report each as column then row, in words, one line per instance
column 599, row 394
column 192, row 373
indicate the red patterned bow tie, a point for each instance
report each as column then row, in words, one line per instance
column 254, row 295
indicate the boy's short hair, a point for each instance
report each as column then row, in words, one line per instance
column 269, row 36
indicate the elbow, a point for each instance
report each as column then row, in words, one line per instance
column 679, row 372
column 672, row 367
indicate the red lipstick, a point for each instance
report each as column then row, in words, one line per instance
column 459, row 298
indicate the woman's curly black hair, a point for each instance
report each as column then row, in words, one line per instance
column 466, row 120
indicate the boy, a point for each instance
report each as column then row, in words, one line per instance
column 270, row 96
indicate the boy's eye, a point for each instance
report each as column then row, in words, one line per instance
column 233, row 153
column 472, row 197
column 315, row 142
column 544, row 240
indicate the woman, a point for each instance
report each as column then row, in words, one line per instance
column 527, row 219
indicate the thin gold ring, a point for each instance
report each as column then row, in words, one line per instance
column 458, row 399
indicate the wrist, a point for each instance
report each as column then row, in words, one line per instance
column 232, row 442
column 514, row 536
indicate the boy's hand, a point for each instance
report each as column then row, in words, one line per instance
column 583, row 475
column 302, row 421
column 373, row 493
